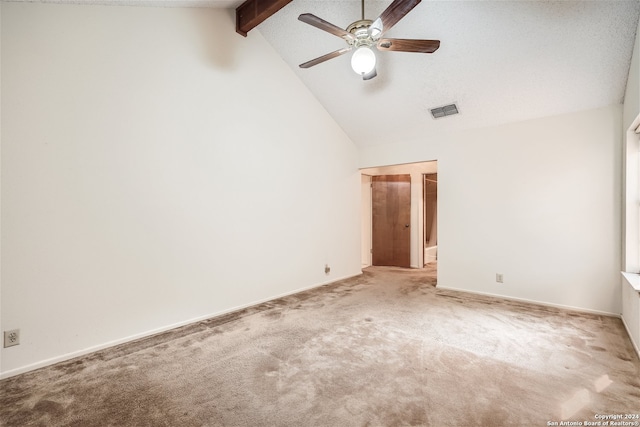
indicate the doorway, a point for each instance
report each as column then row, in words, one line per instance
column 430, row 198
column 417, row 238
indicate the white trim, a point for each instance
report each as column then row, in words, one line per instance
column 633, row 343
column 92, row 349
column 632, row 279
column 631, row 198
column 529, row 301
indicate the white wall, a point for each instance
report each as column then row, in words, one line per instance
column 632, row 92
column 631, row 199
column 538, row 201
column 631, row 307
column 158, row 168
column 1, row 329
column 631, row 189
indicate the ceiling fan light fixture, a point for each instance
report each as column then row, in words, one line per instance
column 362, row 35
column 363, row 60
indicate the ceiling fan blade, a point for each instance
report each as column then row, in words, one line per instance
column 326, row 57
column 320, row 23
column 395, row 12
column 409, row 45
column 369, row 76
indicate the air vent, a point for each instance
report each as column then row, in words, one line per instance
column 447, row 110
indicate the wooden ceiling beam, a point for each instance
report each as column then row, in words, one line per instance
column 251, row 13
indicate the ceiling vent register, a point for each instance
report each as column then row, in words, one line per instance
column 447, row 110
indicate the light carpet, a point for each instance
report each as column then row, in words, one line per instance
column 382, row 349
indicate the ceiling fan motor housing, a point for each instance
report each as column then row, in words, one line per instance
column 360, row 29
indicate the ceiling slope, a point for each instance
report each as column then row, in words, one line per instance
column 499, row 61
column 216, row 4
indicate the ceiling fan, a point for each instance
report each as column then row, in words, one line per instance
column 364, row 34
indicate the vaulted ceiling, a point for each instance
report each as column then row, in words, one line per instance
column 499, row 61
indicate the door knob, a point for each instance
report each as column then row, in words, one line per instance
column 406, row 226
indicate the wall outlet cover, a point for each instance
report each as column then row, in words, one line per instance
column 11, row 338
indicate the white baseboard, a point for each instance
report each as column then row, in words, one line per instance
column 543, row 303
column 93, row 349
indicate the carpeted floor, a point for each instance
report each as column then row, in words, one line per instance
column 382, row 349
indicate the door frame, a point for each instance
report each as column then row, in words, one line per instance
column 366, row 220
column 417, row 221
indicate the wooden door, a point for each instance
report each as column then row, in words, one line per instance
column 391, row 220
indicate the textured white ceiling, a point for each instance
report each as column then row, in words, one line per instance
column 500, row 61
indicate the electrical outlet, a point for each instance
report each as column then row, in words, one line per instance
column 499, row 278
column 11, row 338
column 327, row 269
